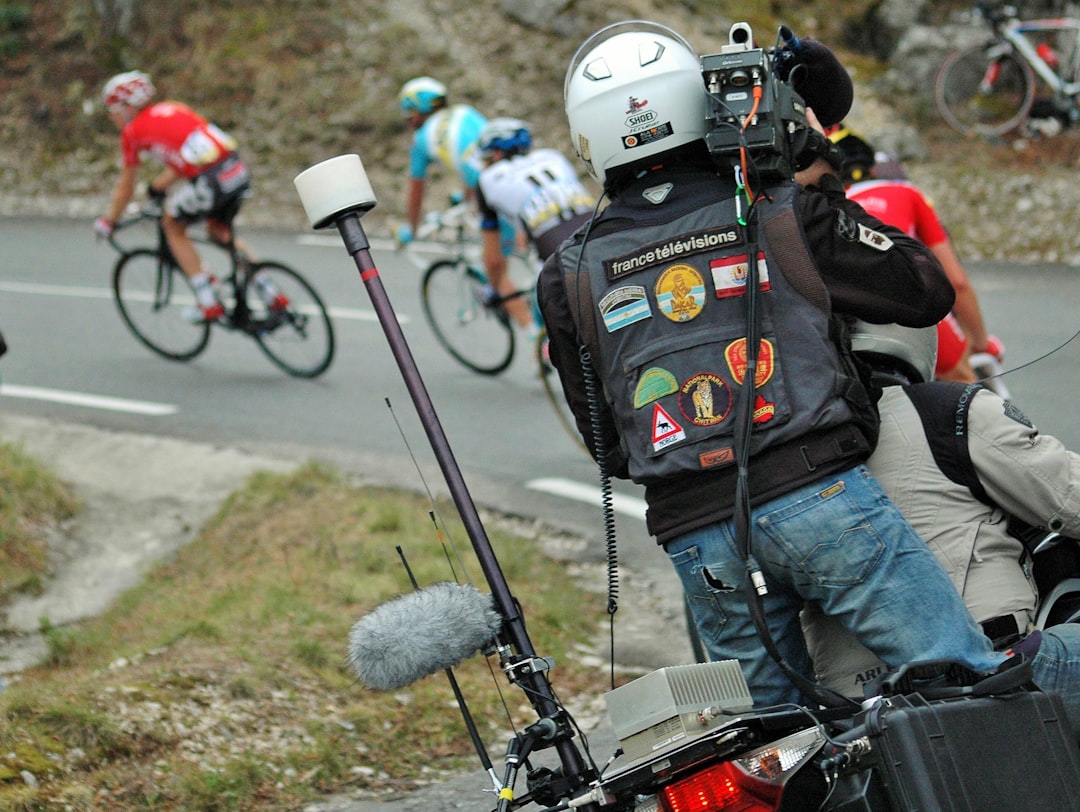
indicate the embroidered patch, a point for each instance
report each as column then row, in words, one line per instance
column 705, row 399
column 875, row 239
column 719, row 456
column 735, row 355
column 680, row 293
column 729, row 275
column 1014, row 413
column 665, row 430
column 764, row 410
column 654, row 384
column 658, row 253
column 624, row 306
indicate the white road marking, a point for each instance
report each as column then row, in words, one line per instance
column 630, row 506
column 344, row 313
column 89, row 401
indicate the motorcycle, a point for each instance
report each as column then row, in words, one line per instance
column 931, row 736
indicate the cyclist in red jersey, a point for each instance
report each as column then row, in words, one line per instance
column 203, row 177
column 902, row 204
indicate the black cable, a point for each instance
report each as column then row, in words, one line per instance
column 741, row 518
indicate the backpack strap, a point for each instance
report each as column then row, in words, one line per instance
column 943, row 409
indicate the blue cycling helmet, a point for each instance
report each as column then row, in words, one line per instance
column 422, row 95
column 509, row 135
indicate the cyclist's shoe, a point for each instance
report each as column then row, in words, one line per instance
column 205, row 314
column 279, row 304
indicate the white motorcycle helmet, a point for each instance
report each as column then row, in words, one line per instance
column 633, row 89
column 891, row 350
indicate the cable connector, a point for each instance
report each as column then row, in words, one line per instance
column 597, row 795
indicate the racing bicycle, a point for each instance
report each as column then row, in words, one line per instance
column 469, row 319
column 158, row 303
column 989, row 88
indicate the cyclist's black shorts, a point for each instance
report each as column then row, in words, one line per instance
column 216, row 194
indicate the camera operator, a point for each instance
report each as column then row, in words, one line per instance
column 655, row 290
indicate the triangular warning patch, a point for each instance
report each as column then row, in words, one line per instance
column 665, row 429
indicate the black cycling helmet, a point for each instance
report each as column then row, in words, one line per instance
column 858, row 157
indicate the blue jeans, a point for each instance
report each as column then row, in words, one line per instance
column 1056, row 667
column 839, row 543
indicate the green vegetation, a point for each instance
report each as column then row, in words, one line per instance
column 220, row 682
column 33, row 503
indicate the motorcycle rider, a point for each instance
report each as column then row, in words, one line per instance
column 654, row 289
column 959, row 462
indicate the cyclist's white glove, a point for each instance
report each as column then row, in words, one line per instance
column 104, row 227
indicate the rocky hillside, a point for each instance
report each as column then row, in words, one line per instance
column 298, row 81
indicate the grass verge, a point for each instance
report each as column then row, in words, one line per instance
column 220, row 682
column 33, row 504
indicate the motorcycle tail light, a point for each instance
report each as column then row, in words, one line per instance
column 752, row 782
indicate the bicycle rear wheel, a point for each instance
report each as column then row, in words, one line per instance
column 158, row 304
column 981, row 90
column 295, row 331
column 549, row 379
column 478, row 335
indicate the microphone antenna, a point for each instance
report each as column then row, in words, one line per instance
column 441, row 530
column 466, row 714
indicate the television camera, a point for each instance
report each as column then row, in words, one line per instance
column 753, row 103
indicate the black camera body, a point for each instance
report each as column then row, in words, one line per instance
column 774, row 133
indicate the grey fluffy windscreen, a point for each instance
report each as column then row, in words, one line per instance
column 420, row 633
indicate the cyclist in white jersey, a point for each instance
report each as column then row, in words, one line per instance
column 536, row 191
column 443, row 133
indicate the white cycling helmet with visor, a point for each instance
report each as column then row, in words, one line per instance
column 132, row 89
column 633, row 89
column 422, row 95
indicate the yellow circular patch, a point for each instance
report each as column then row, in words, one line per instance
column 680, row 293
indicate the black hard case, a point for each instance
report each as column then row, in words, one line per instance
column 1005, row 753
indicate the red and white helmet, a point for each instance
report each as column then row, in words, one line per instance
column 133, row 89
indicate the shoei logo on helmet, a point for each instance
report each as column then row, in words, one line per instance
column 637, row 115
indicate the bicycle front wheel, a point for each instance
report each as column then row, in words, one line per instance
column 549, row 379
column 477, row 334
column 289, row 320
column 158, row 304
column 981, row 90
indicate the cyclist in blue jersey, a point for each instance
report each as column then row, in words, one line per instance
column 445, row 133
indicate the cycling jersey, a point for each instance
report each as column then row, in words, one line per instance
column 177, row 136
column 538, row 191
column 900, row 204
column 903, row 205
column 449, row 137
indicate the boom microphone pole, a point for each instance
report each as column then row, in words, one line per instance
column 337, row 193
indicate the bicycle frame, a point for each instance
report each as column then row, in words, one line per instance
column 1016, row 35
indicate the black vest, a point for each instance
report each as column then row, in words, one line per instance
column 662, row 308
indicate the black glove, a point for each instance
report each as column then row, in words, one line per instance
column 816, row 75
column 809, row 145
